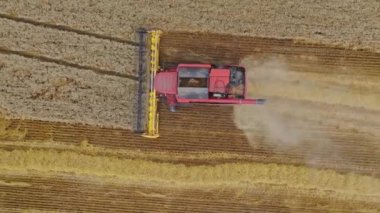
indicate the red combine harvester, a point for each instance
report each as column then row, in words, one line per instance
column 183, row 84
column 203, row 83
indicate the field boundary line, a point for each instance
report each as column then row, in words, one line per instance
column 66, row 63
column 67, row 29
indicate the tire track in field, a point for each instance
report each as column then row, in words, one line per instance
column 67, row 63
column 66, row 28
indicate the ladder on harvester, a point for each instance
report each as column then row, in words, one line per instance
column 152, row 123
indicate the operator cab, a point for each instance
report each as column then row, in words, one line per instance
column 227, row 83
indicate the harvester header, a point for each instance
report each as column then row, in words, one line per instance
column 152, row 122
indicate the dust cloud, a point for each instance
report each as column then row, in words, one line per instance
column 302, row 110
column 274, row 118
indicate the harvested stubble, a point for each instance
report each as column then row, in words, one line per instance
column 56, row 172
column 230, row 175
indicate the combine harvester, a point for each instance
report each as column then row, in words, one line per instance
column 187, row 83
